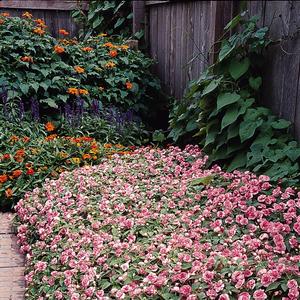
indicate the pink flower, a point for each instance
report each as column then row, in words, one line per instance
column 260, row 295
column 224, row 297
column 244, row 296
column 185, row 290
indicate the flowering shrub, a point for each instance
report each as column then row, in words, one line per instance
column 158, row 224
column 56, row 72
column 26, row 160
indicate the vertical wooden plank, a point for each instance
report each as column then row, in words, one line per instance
column 167, row 37
column 161, row 40
column 172, row 48
column 138, row 8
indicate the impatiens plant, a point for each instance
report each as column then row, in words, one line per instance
column 159, row 224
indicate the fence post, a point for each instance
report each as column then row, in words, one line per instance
column 138, row 15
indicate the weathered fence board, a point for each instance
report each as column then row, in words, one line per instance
column 175, row 37
column 181, row 31
column 281, row 75
column 56, row 13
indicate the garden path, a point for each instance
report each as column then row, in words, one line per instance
column 12, row 286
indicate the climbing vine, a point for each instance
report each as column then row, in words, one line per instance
column 220, row 111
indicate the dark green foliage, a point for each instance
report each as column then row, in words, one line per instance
column 112, row 17
column 220, row 111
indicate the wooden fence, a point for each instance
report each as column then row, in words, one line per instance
column 56, row 13
column 180, row 31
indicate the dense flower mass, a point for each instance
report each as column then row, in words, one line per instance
column 157, row 224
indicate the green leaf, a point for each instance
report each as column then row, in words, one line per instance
column 191, row 125
column 226, row 49
column 234, row 22
column 50, row 102
column 226, row 99
column 281, row 124
column 211, row 86
column 119, row 22
column 202, row 181
column 158, row 136
column 255, row 83
column 248, row 128
column 239, row 161
column 231, row 115
column 24, row 88
column 97, row 22
column 238, row 68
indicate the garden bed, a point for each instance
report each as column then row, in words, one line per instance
column 158, row 224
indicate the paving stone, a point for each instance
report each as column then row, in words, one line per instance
column 12, row 284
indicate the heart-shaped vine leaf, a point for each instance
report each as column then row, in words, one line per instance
column 238, row 68
column 225, row 99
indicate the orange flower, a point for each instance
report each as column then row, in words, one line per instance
column 51, row 137
column 124, row 47
column 110, row 65
column 41, row 23
column 83, row 92
column 87, row 49
column 63, row 32
column 14, row 138
column 3, row 178
column 113, row 53
column 73, row 91
column 129, row 85
column 5, row 14
column 109, row 45
column 58, row 49
column 107, row 146
column 8, row 193
column 39, row 31
column 49, row 126
column 27, row 15
column 17, row 173
column 26, row 139
column 6, row 156
column 2, row 21
column 86, row 156
column 26, row 59
column 79, row 69
column 30, row 172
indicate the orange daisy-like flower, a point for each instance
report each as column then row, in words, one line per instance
column 3, row 178
column 49, row 126
column 87, row 49
column 8, row 193
column 79, row 69
column 110, row 65
column 41, row 23
column 86, row 156
column 109, row 45
column 27, row 59
column 39, row 31
column 63, row 32
column 124, row 47
column 73, row 91
column 5, row 14
column 113, row 53
column 14, row 138
column 17, row 173
column 2, row 21
column 51, row 137
column 20, row 153
column 83, row 92
column 27, row 15
column 59, row 49
column 129, row 85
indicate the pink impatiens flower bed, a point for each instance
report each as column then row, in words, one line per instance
column 158, row 224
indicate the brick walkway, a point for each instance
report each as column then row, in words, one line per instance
column 11, row 262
